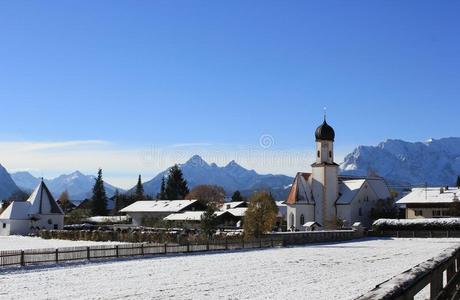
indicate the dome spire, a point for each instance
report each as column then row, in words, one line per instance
column 325, row 110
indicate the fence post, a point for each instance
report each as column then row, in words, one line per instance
column 57, row 255
column 397, row 233
column 166, row 248
column 207, row 245
column 413, row 233
column 271, row 242
column 142, row 249
column 88, row 255
column 188, row 246
column 23, row 261
column 260, row 242
column 242, row 242
column 435, row 283
column 447, row 233
column 116, row 251
column 226, row 243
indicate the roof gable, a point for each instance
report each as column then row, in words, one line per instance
column 300, row 190
column 42, row 202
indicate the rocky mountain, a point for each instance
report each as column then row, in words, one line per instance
column 231, row 177
column 77, row 184
column 436, row 162
column 7, row 185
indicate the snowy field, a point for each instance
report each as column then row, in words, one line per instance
column 25, row 242
column 322, row 271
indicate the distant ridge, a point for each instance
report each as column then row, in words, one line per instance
column 231, row 177
column 7, row 185
column 436, row 161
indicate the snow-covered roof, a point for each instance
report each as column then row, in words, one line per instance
column 104, row 219
column 238, row 211
column 230, row 205
column 190, row 216
column 158, row 206
column 430, row 195
column 40, row 202
column 349, row 189
column 310, row 224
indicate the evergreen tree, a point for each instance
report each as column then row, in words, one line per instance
column 99, row 199
column 117, row 201
column 176, row 186
column 208, row 222
column 139, row 194
column 458, row 182
column 162, row 194
column 236, row 197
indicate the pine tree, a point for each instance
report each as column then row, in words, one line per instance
column 139, row 194
column 458, row 182
column 208, row 223
column 118, row 202
column 99, row 199
column 162, row 194
column 176, row 186
column 236, row 197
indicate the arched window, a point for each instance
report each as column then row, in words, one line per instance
column 291, row 216
column 302, row 219
column 318, row 153
column 330, row 154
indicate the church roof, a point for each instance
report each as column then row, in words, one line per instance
column 40, row 202
column 348, row 190
column 300, row 190
column 324, row 132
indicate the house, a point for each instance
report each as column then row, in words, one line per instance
column 433, row 202
column 159, row 209
column 192, row 219
column 40, row 211
column 325, row 197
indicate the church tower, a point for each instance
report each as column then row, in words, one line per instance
column 325, row 177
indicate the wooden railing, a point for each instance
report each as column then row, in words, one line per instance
column 60, row 255
column 441, row 273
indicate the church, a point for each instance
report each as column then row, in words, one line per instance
column 327, row 198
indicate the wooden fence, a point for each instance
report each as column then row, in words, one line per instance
column 61, row 255
column 441, row 273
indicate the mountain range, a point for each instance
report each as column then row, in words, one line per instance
column 78, row 185
column 231, row 177
column 435, row 162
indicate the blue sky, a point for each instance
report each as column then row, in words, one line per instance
column 102, row 83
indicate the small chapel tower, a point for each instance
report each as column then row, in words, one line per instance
column 325, row 177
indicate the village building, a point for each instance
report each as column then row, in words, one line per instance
column 159, row 209
column 192, row 219
column 325, row 197
column 433, row 202
column 40, row 211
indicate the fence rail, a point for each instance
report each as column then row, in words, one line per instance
column 441, row 273
column 60, row 255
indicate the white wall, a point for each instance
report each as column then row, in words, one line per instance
column 295, row 212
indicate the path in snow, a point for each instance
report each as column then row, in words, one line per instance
column 322, row 271
column 16, row 242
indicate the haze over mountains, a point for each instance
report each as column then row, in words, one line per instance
column 436, row 162
column 77, row 184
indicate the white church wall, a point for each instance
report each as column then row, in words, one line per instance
column 50, row 222
column 13, row 227
column 294, row 215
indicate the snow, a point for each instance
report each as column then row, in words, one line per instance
column 158, row 206
column 438, row 222
column 430, row 195
column 322, row 271
column 16, row 242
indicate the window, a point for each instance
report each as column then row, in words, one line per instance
column 436, row 213
column 55, row 226
column 302, row 220
column 318, row 154
column 330, row 154
column 360, row 212
column 4, row 225
column 291, row 216
column 418, row 212
column 445, row 213
column 50, row 221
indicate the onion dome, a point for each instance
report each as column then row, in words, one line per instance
column 324, row 132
